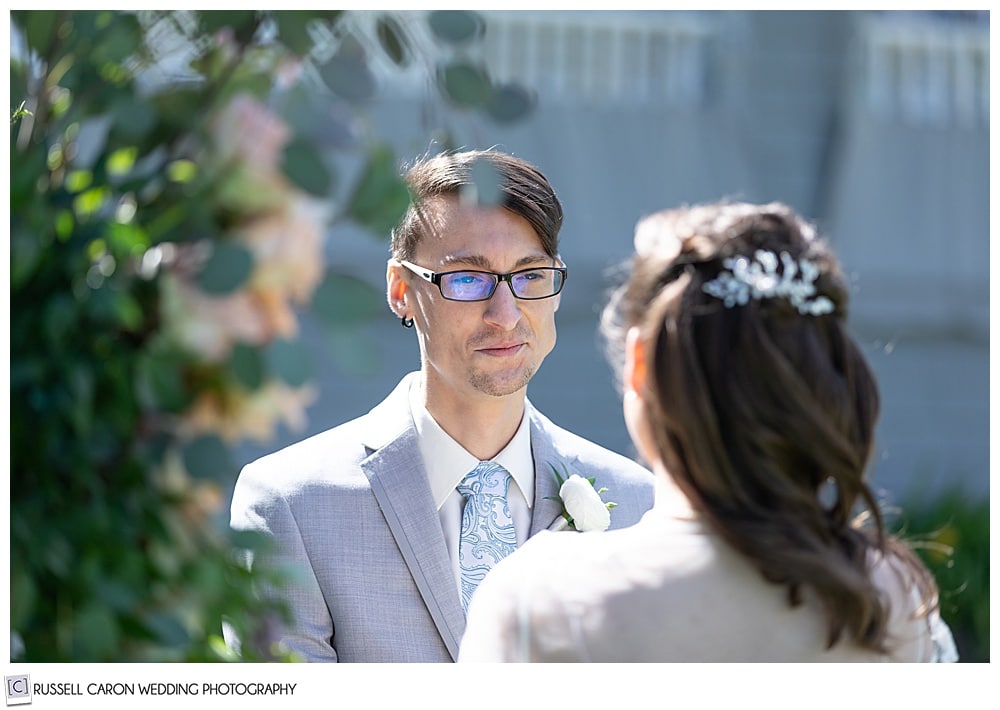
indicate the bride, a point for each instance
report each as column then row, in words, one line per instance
column 756, row 411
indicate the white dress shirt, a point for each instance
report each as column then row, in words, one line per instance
column 447, row 463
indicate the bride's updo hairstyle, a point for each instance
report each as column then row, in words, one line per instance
column 762, row 407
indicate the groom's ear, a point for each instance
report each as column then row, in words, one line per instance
column 395, row 288
column 634, row 372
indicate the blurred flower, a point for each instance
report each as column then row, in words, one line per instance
column 246, row 131
column 288, row 73
column 241, row 413
column 209, row 326
column 283, row 229
column 246, row 192
column 288, row 247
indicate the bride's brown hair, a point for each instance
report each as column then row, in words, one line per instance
column 763, row 415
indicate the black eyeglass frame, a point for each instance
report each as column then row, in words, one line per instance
column 435, row 277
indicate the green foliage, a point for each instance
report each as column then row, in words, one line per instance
column 952, row 535
column 393, row 40
column 152, row 314
column 380, row 197
column 456, row 26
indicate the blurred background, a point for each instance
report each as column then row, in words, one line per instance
column 873, row 124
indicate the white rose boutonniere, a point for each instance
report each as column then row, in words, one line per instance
column 583, row 509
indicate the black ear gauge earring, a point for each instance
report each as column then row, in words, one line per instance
column 406, row 322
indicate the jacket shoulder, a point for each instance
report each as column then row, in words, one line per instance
column 569, row 446
column 329, row 453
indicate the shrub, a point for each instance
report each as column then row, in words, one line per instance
column 951, row 533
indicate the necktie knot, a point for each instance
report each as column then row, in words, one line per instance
column 488, row 478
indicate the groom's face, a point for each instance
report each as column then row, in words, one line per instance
column 481, row 349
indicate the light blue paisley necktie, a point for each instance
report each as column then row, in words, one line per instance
column 487, row 528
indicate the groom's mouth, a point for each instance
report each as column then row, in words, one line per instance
column 502, row 350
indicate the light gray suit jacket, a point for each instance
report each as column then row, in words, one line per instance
column 352, row 510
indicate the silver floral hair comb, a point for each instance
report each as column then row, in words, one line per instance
column 759, row 278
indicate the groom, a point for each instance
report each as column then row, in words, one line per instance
column 371, row 512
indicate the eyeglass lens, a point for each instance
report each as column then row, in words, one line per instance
column 477, row 286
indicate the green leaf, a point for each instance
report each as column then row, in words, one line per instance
column 120, row 162
column 19, row 113
column 120, row 40
column 115, row 594
column 133, row 118
column 304, row 165
column 26, row 254
column 39, row 28
column 78, row 180
column 175, row 108
column 348, row 77
column 26, row 167
column 95, row 631
column 23, row 595
column 208, row 458
column 289, row 361
column 242, row 22
column 393, row 41
column 167, row 628
column 456, row 26
column 346, row 300
column 380, row 197
column 159, row 381
column 127, row 312
column 88, row 202
column 465, row 83
column 227, row 269
column 181, row 170
column 509, row 103
column 247, row 365
column 293, row 30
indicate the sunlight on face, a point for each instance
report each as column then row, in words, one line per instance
column 492, row 347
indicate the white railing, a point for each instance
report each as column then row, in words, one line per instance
column 925, row 71
column 602, row 57
column 592, row 57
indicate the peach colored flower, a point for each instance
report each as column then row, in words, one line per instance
column 278, row 310
column 247, row 131
column 288, row 248
column 253, row 414
column 288, row 72
column 209, row 325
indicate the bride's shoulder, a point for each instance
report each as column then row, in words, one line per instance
column 916, row 630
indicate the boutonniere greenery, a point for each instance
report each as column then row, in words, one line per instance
column 582, row 506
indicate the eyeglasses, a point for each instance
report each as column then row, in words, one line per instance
column 527, row 284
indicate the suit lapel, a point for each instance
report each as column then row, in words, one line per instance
column 545, row 456
column 399, row 483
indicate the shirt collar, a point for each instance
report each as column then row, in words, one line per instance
column 447, row 462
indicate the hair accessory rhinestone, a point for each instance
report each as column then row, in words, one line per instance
column 759, row 278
